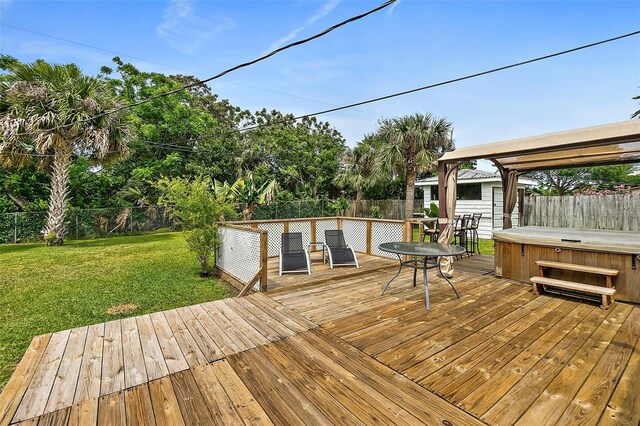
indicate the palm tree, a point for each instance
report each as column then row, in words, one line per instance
column 246, row 192
column 411, row 144
column 49, row 114
column 359, row 167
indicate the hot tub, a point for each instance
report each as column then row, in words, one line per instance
column 517, row 250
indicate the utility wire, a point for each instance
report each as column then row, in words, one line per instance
column 165, row 65
column 223, row 73
column 467, row 77
column 85, row 45
column 444, row 83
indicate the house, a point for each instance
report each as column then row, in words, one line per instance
column 478, row 192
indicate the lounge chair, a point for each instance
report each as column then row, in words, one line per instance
column 293, row 256
column 340, row 253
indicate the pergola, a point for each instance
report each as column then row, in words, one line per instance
column 616, row 143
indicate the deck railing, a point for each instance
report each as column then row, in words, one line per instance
column 241, row 257
column 246, row 245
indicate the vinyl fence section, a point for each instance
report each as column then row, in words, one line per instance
column 612, row 212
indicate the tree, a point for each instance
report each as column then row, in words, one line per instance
column 303, row 156
column 358, row 171
column 247, row 193
column 198, row 209
column 637, row 113
column 411, row 144
column 568, row 181
column 51, row 114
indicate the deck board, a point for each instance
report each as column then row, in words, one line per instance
column 330, row 349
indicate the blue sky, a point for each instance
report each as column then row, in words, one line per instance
column 414, row 44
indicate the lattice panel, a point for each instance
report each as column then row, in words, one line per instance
column 305, row 228
column 239, row 253
column 325, row 225
column 355, row 234
column 274, row 236
column 384, row 232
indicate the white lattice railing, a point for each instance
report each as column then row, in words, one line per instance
column 363, row 234
column 241, row 256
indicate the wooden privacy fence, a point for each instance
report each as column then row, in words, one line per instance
column 241, row 257
column 614, row 212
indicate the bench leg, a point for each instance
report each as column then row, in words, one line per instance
column 606, row 300
column 537, row 289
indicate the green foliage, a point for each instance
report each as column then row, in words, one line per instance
column 339, row 206
column 375, row 212
column 569, row 181
column 433, row 210
column 199, row 210
column 246, row 192
column 57, row 113
column 302, row 156
column 46, row 290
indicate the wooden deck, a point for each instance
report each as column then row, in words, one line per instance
column 322, row 273
column 332, row 350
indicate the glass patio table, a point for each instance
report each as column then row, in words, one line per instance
column 420, row 253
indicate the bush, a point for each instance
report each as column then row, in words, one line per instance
column 375, row 212
column 198, row 209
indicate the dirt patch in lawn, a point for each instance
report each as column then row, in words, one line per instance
column 122, row 309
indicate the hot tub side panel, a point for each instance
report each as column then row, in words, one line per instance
column 518, row 262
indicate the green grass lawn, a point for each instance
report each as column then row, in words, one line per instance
column 486, row 246
column 46, row 289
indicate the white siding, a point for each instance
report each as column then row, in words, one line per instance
column 497, row 217
column 489, row 221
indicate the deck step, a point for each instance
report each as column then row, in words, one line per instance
column 570, row 285
column 578, row 268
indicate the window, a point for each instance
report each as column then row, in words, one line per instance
column 466, row 191
column 470, row 191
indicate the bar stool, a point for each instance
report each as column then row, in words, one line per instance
column 472, row 234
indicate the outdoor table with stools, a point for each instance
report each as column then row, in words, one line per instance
column 425, row 251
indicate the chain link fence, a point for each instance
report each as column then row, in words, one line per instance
column 101, row 223
column 90, row 223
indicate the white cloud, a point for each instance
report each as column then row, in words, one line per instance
column 185, row 30
column 326, row 9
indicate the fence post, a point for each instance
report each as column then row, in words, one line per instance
column 263, row 261
column 276, row 203
column 369, row 236
column 77, row 231
column 299, row 209
column 15, row 227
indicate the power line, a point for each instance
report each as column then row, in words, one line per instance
column 223, row 73
column 85, row 45
column 454, row 80
column 161, row 64
column 397, row 94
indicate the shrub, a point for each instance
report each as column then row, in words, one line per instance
column 375, row 212
column 195, row 205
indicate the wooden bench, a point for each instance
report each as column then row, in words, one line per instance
column 607, row 292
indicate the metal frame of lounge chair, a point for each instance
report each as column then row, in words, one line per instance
column 341, row 245
column 284, row 242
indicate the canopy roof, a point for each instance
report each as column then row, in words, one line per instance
column 615, row 143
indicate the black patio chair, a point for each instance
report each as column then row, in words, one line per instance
column 293, row 256
column 340, row 253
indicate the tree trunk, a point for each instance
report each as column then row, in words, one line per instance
column 54, row 231
column 358, row 202
column 247, row 212
column 408, row 205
